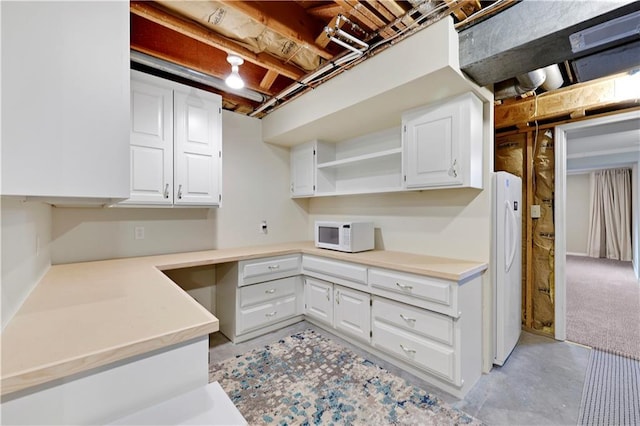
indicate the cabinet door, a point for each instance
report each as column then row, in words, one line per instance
column 151, row 141
column 431, row 141
column 65, row 98
column 198, row 154
column 303, row 169
column 352, row 312
column 318, row 300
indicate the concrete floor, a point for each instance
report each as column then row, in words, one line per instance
column 540, row 384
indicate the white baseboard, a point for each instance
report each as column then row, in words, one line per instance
column 577, row 254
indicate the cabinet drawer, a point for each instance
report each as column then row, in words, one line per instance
column 437, row 294
column 268, row 268
column 270, row 290
column 416, row 350
column 328, row 269
column 265, row 314
column 429, row 324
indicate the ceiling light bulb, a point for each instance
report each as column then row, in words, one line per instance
column 234, row 80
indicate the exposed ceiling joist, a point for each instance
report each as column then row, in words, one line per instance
column 325, row 11
column 268, row 80
column 285, row 18
column 572, row 101
column 357, row 10
column 190, row 29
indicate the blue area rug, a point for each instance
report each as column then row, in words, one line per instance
column 308, row 379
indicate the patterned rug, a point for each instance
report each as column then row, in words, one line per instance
column 308, row 379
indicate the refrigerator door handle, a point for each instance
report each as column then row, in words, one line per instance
column 512, row 243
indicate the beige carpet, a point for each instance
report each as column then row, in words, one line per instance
column 603, row 305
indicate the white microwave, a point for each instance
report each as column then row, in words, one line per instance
column 344, row 236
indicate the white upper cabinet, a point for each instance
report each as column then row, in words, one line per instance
column 151, row 143
column 65, row 99
column 197, row 148
column 303, row 164
column 176, row 144
column 442, row 144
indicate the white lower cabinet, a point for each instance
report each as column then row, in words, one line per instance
column 318, row 300
column 345, row 309
column 254, row 297
column 416, row 336
column 431, row 327
column 352, row 312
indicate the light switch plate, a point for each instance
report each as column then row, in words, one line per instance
column 535, row 211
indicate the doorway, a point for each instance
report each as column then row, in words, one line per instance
column 583, row 146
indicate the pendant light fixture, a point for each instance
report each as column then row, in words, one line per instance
column 234, row 80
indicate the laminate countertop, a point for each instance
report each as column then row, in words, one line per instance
column 86, row 315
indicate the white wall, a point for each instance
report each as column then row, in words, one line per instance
column 635, row 215
column 254, row 187
column 577, row 207
column 25, row 251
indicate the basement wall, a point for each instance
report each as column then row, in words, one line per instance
column 577, row 208
column 25, row 251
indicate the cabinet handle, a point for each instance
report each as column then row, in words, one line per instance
column 270, row 314
column 291, row 186
column 338, row 297
column 270, row 291
column 407, row 319
column 166, row 191
column 328, row 295
column 272, row 267
column 407, row 350
column 404, row 286
column 452, row 170
column 179, row 192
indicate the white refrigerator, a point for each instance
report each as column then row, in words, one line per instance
column 506, row 263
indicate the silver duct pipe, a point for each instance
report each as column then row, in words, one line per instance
column 192, row 75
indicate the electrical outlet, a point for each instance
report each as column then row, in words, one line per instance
column 535, row 211
column 263, row 226
column 139, row 232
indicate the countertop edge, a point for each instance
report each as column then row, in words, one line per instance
column 23, row 380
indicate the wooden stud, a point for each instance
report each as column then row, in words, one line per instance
column 360, row 12
column 268, row 79
column 325, row 12
column 583, row 96
column 528, row 164
column 456, row 8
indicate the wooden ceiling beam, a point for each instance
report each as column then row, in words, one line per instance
column 360, row 12
column 325, row 12
column 573, row 100
column 268, row 79
column 288, row 19
column 384, row 12
column 198, row 32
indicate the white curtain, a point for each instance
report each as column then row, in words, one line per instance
column 610, row 215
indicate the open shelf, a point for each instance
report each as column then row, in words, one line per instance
column 360, row 158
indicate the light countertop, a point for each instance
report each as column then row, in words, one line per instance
column 86, row 315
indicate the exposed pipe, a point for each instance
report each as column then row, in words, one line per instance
column 549, row 78
column 192, row 75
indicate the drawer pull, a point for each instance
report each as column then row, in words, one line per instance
column 407, row 350
column 328, row 295
column 404, row 286
column 338, row 297
column 407, row 319
column 270, row 314
column 270, row 291
column 273, row 267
